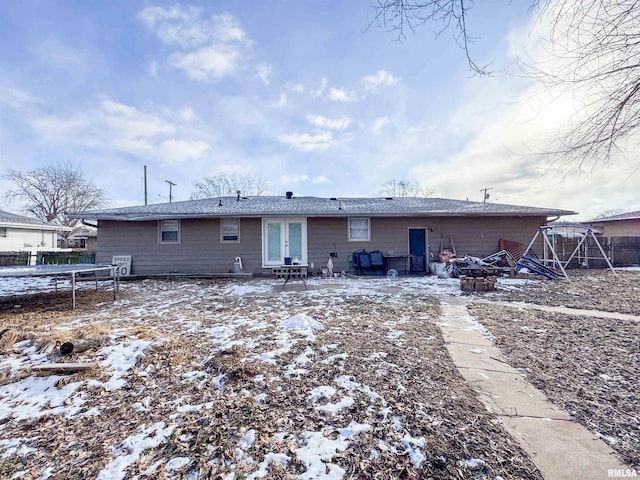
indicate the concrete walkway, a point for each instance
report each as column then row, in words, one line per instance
column 567, row 310
column 560, row 448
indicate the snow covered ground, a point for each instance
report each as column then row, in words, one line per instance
column 239, row 379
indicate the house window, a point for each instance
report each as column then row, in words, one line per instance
column 3, row 232
column 359, row 230
column 169, row 231
column 230, row 230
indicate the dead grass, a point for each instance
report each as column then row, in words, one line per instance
column 213, row 383
column 587, row 366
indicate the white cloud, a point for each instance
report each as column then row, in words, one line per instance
column 54, row 128
column 379, row 124
column 153, row 69
column 296, row 87
column 264, row 72
column 323, row 86
column 297, row 178
column 317, row 141
column 177, row 25
column 186, row 114
column 116, row 128
column 14, row 97
column 341, row 95
column 128, row 122
column 213, row 61
column 320, row 179
column 282, row 101
column 381, row 78
column 177, row 151
column 331, row 124
column 209, row 49
column 227, row 29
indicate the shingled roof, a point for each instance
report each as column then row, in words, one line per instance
column 14, row 220
column 264, row 206
column 615, row 218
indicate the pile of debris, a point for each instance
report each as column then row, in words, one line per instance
column 476, row 274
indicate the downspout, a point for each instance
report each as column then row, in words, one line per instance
column 84, row 222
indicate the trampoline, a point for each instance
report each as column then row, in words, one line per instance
column 56, row 270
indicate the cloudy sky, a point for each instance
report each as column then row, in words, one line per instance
column 299, row 93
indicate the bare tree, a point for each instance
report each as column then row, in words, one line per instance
column 403, row 188
column 51, row 192
column 401, row 16
column 595, row 46
column 230, row 185
column 609, row 213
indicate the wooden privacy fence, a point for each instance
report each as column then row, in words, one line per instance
column 8, row 259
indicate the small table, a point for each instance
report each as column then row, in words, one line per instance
column 388, row 259
column 289, row 272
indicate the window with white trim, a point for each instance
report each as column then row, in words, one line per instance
column 3, row 232
column 359, row 229
column 230, row 230
column 169, row 231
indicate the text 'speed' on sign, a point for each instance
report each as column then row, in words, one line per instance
column 123, row 264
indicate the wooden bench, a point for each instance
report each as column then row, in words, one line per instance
column 291, row 272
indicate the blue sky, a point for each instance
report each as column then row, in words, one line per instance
column 299, row 93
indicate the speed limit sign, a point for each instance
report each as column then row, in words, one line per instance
column 123, row 264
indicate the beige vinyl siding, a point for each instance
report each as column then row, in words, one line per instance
column 199, row 250
column 621, row 228
column 474, row 236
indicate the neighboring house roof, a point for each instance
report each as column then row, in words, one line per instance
column 8, row 219
column 616, row 218
column 315, row 207
column 83, row 232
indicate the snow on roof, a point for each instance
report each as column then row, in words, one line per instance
column 614, row 218
column 314, row 206
column 15, row 220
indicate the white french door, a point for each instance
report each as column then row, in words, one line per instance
column 283, row 238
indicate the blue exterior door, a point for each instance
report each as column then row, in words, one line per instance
column 418, row 249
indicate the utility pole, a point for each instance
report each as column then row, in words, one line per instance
column 486, row 194
column 146, row 194
column 171, row 185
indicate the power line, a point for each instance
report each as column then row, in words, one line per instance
column 171, row 185
column 486, row 193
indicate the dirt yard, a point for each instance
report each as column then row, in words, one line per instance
column 237, row 379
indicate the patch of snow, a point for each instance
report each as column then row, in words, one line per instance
column 333, row 358
column 472, row 463
column 606, row 438
column 332, row 408
column 413, row 447
column 177, row 463
column 248, row 440
column 15, row 446
column 34, row 397
column 269, row 458
column 129, row 450
column 322, row 393
column 121, row 357
column 316, row 454
column 353, row 429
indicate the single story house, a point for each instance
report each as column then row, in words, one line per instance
column 622, row 225
column 20, row 233
column 84, row 237
column 622, row 234
column 206, row 236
